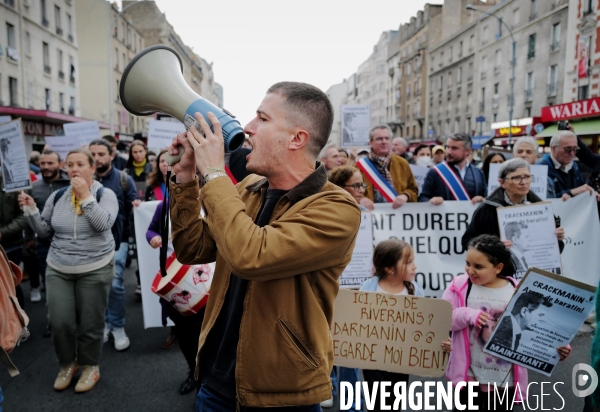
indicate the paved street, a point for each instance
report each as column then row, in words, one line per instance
column 147, row 378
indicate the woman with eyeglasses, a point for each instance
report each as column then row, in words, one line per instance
column 349, row 179
column 515, row 180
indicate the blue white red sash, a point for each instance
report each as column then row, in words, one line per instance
column 452, row 181
column 379, row 182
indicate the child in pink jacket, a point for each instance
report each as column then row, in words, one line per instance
column 478, row 298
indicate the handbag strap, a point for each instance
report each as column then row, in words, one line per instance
column 164, row 227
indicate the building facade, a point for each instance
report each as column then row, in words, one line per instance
column 108, row 42
column 39, row 76
column 337, row 94
column 408, row 72
column 470, row 73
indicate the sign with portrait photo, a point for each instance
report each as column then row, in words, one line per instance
column 356, row 123
column 531, row 229
column 13, row 155
column 545, row 312
column 360, row 267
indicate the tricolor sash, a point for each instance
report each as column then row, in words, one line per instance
column 452, row 181
column 379, row 182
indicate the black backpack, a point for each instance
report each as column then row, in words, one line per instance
column 117, row 227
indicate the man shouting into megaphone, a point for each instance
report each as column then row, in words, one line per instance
column 281, row 239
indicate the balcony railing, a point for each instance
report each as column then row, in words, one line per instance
column 497, row 69
column 528, row 95
column 45, row 22
column 72, row 79
column 533, row 16
column 59, row 31
column 47, row 69
column 70, row 37
column 483, row 74
column 61, row 74
column 555, row 47
column 552, row 89
column 530, row 55
column 470, row 78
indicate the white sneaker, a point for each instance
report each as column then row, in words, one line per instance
column 327, row 404
column 35, row 295
column 121, row 339
column 106, row 332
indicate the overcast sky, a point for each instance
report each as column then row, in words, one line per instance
column 254, row 44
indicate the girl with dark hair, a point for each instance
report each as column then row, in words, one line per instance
column 157, row 179
column 478, row 298
column 138, row 166
column 395, row 270
column 491, row 158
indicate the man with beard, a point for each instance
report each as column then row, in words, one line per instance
column 53, row 178
column 456, row 178
column 124, row 187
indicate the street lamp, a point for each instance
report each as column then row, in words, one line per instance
column 513, row 63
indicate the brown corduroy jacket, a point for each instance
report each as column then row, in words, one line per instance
column 285, row 352
column 402, row 177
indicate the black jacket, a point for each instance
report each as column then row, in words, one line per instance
column 485, row 218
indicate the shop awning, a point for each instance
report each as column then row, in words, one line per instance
column 582, row 127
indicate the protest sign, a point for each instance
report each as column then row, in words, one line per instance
column 62, row 144
column 5, row 119
column 356, row 122
column 579, row 218
column 419, row 172
column 395, row 333
column 539, row 185
column 435, row 233
column 545, row 312
column 360, row 267
column 13, row 155
column 148, row 263
column 84, row 131
column 531, row 229
column 162, row 132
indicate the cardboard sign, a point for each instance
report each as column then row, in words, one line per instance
column 395, row 333
column 84, row 131
column 545, row 312
column 13, row 155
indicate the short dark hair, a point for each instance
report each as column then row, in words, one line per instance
column 421, row 146
column 311, row 108
column 340, row 175
column 102, row 142
column 51, row 152
column 496, row 252
column 462, row 137
column 110, row 139
column 530, row 300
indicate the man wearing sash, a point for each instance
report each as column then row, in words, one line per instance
column 388, row 177
column 456, row 178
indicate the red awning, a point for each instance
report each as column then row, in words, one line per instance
column 45, row 115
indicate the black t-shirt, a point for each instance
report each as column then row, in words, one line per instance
column 218, row 359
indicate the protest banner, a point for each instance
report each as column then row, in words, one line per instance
column 419, row 172
column 545, row 312
column 62, row 144
column 435, row 233
column 356, row 122
column 579, row 218
column 531, row 229
column 148, row 264
column 13, row 155
column 5, row 119
column 539, row 184
column 360, row 267
column 395, row 333
column 84, row 131
column 162, row 132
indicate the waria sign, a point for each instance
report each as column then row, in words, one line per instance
column 573, row 110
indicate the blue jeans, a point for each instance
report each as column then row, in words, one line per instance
column 209, row 400
column 345, row 375
column 115, row 311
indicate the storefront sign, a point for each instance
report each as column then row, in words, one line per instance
column 516, row 131
column 41, row 129
column 573, row 110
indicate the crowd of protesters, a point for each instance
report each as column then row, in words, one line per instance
column 74, row 232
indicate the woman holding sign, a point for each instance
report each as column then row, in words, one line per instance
column 515, row 180
column 81, row 267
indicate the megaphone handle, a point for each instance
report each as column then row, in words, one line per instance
column 172, row 159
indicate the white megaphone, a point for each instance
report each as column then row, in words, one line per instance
column 153, row 82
